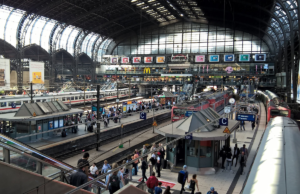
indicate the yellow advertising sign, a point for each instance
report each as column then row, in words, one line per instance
column 147, row 69
column 37, row 78
column 160, row 59
column 129, row 102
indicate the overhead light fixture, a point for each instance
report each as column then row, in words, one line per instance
column 181, row 15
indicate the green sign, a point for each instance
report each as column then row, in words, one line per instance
column 245, row 57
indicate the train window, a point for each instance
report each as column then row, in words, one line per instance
column 25, row 102
column 283, row 113
column 18, row 103
column 178, row 112
column 38, row 100
column 80, row 97
column 76, row 97
column 68, row 98
column 63, row 99
column 44, row 100
column 72, row 98
column 9, row 103
column 3, row 104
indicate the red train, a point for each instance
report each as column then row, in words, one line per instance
column 217, row 101
column 274, row 105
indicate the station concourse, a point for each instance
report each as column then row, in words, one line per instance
column 149, row 96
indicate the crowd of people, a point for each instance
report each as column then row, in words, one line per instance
column 239, row 154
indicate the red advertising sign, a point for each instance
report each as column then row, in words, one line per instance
column 125, row 59
column 39, row 127
column 164, row 183
column 136, row 59
column 147, row 59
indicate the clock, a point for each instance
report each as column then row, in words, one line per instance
column 231, row 101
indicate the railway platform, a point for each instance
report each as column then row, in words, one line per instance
column 223, row 181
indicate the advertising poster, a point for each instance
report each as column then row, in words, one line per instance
column 160, row 59
column 125, row 59
column 229, row 58
column 61, row 123
column 36, row 72
column 4, row 74
column 200, row 58
column 260, row 57
column 55, row 124
column 213, row 58
column 148, row 59
column 136, row 59
column 50, row 125
column 114, row 60
column 244, row 57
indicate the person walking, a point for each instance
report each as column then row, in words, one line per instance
column 151, row 183
column 243, row 161
column 162, row 154
column 85, row 162
column 236, row 153
column 94, row 170
column 120, row 176
column 212, row 191
column 223, row 155
column 153, row 148
column 105, row 167
column 79, row 177
column 153, row 162
column 245, row 150
column 193, row 183
column 129, row 168
column 135, row 166
column 158, row 189
column 144, row 168
column 183, row 177
column 114, row 183
column 253, row 125
column 228, row 160
column 158, row 164
column 242, row 125
column 144, row 150
column 168, row 190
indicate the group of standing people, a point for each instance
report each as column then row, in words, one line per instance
column 239, row 154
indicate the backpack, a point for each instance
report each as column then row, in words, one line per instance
column 180, row 177
column 114, row 181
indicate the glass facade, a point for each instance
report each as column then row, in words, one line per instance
column 192, row 38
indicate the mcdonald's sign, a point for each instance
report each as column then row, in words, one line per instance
column 147, row 69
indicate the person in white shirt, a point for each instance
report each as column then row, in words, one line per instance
column 94, row 170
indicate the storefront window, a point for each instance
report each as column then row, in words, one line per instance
column 192, row 148
column 205, row 149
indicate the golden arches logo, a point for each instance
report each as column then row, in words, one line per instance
column 147, row 69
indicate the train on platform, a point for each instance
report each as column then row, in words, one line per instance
column 216, row 101
column 13, row 103
column 276, row 165
column 274, row 105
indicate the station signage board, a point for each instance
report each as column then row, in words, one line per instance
column 245, row 117
column 244, row 57
column 200, row 58
column 260, row 57
column 229, row 58
column 214, row 58
column 189, row 137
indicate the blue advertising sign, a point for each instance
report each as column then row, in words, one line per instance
column 189, row 113
column 223, row 121
column 61, row 123
column 143, row 115
column 245, row 117
column 266, row 66
column 50, row 125
column 94, row 108
column 190, row 136
column 260, row 57
column 229, row 58
column 213, row 58
column 244, row 57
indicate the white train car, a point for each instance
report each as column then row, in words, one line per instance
column 73, row 98
column 276, row 168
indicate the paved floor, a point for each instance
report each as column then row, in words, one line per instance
column 223, row 180
column 41, row 144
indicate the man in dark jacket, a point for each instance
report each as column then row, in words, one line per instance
column 79, row 178
column 144, row 168
column 236, row 153
column 222, row 154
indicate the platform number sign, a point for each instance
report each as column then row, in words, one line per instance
column 143, row 115
column 223, row 121
column 190, row 136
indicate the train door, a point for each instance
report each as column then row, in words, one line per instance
column 180, row 153
column 216, row 152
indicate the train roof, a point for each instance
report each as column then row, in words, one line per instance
column 276, row 165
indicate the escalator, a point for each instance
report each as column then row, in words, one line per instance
column 106, row 85
column 33, row 161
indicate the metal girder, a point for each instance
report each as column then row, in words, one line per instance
column 166, row 4
column 154, row 8
column 30, row 18
column 98, row 47
column 191, row 8
column 292, row 55
column 93, row 47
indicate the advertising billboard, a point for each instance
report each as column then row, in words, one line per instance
column 244, row 57
column 229, row 58
column 200, row 58
column 260, row 57
column 125, row 59
column 4, row 74
column 213, row 58
column 36, row 72
column 160, row 59
column 114, row 60
column 136, row 60
column 148, row 59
